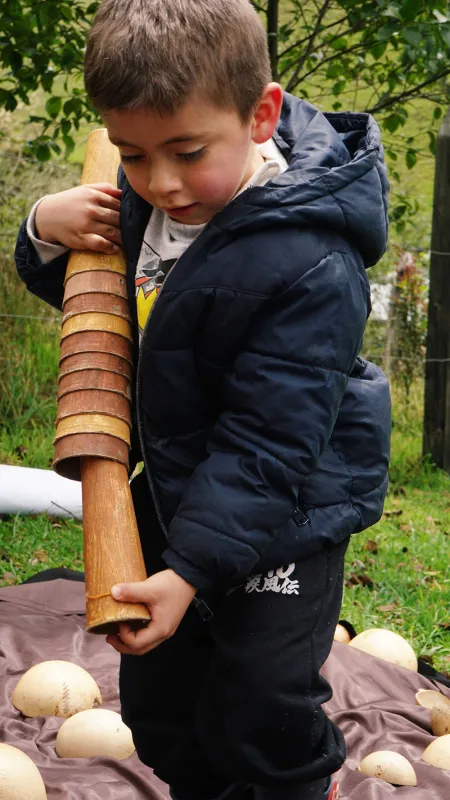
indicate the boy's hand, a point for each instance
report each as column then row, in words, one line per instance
column 83, row 218
column 167, row 596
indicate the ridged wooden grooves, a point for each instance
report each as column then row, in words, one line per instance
column 97, row 302
column 96, row 342
column 99, row 281
column 94, row 414
column 98, row 362
column 94, row 379
column 96, row 321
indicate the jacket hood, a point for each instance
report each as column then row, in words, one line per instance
column 336, row 180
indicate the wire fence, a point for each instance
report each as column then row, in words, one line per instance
column 30, row 316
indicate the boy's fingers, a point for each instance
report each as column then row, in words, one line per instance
column 100, row 245
column 116, row 642
column 108, row 216
column 106, row 188
column 137, row 643
column 103, row 200
column 143, row 640
column 109, row 232
column 131, row 592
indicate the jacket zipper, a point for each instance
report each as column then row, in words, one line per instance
column 202, row 608
column 139, row 426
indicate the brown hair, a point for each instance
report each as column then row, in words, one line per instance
column 155, row 53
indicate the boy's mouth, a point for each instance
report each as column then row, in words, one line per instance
column 180, row 211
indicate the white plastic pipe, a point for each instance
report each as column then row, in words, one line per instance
column 37, row 491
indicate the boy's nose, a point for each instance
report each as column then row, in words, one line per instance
column 163, row 182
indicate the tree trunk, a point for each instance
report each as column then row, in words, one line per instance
column 436, row 440
column 272, row 35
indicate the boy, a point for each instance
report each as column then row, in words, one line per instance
column 252, row 217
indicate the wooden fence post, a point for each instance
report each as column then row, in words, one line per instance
column 436, row 429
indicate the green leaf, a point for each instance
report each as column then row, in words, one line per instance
column 386, row 31
column 378, row 50
column 412, row 35
column 69, row 56
column 72, row 106
column 437, row 113
column 392, row 81
column 339, row 87
column 47, row 81
column 392, row 122
column 285, row 32
column 411, row 9
column 398, row 212
column 15, row 60
column 69, row 144
column 339, row 44
column 53, row 106
column 411, row 158
column 66, row 13
column 432, row 142
column 334, row 70
column 46, row 14
column 10, row 102
column 65, row 126
column 445, row 33
column 43, row 152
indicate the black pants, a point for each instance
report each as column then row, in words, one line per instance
column 237, row 700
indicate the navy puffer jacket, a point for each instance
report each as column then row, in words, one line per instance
column 263, row 433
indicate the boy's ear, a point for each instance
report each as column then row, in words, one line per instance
column 267, row 113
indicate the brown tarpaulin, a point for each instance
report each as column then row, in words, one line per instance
column 373, row 703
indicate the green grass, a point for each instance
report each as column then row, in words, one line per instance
column 409, row 589
column 398, row 572
column 31, row 544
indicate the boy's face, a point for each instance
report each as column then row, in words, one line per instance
column 191, row 164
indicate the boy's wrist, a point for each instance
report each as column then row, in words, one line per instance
column 46, row 251
column 41, row 226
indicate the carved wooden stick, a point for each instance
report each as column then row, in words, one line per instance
column 94, row 415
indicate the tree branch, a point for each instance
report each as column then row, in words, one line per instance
column 391, row 101
column 302, row 41
column 320, row 64
column 309, row 49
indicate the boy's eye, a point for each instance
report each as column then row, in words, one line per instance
column 129, row 159
column 196, row 154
